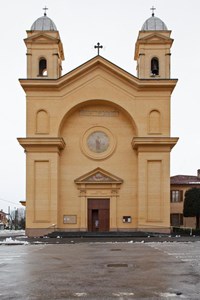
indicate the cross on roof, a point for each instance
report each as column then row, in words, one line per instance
column 153, row 8
column 98, row 46
column 45, row 9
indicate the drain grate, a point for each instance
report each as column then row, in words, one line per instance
column 117, row 265
column 116, row 250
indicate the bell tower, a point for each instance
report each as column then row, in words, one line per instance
column 44, row 50
column 152, row 49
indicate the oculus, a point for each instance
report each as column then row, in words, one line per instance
column 98, row 143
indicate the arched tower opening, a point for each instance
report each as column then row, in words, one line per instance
column 43, row 67
column 155, row 66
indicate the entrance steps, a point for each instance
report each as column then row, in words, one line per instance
column 110, row 234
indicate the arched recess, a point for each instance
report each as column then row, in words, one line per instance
column 42, row 67
column 42, row 122
column 79, row 128
column 154, row 122
column 84, row 104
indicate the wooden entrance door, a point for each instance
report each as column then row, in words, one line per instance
column 98, row 215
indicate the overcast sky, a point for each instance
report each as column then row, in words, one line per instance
column 115, row 24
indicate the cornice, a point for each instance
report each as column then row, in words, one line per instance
column 35, row 144
column 149, row 144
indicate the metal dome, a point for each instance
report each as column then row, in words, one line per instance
column 44, row 23
column 153, row 23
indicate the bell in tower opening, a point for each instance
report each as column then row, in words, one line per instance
column 154, row 66
column 153, row 49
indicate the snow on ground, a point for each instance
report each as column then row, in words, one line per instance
column 11, row 241
column 11, row 232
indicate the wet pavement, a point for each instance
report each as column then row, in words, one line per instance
column 100, row 270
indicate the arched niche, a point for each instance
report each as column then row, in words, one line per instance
column 42, row 122
column 154, row 122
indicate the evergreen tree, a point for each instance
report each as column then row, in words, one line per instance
column 192, row 204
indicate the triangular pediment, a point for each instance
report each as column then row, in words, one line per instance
column 156, row 38
column 98, row 176
column 103, row 66
column 41, row 38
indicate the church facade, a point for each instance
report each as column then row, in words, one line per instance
column 98, row 138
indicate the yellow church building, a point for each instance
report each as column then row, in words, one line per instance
column 98, row 138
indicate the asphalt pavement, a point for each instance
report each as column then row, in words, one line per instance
column 41, row 269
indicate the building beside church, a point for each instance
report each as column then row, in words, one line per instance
column 98, row 138
column 179, row 185
column 3, row 220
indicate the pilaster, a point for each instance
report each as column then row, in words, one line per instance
column 153, row 182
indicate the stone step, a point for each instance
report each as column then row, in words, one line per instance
column 81, row 234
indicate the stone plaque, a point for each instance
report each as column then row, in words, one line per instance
column 99, row 113
column 69, row 219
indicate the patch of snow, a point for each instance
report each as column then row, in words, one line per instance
column 122, row 294
column 167, row 295
column 23, row 237
column 10, row 241
column 11, row 232
column 37, row 242
column 80, row 294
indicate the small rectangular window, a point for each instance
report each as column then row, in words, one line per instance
column 176, row 196
column 176, row 219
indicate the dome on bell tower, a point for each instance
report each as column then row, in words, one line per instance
column 153, row 49
column 153, row 23
column 44, row 49
column 44, row 23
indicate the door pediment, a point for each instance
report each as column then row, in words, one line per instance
column 98, row 176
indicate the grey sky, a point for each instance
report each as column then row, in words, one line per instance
column 83, row 23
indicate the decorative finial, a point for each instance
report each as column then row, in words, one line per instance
column 45, row 9
column 98, row 46
column 153, row 8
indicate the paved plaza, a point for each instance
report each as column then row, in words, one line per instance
column 123, row 270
